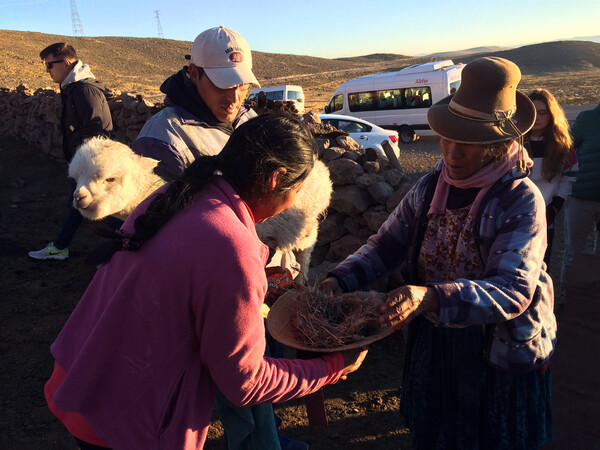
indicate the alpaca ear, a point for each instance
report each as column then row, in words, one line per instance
column 147, row 163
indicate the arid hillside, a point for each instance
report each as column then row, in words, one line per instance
column 570, row 69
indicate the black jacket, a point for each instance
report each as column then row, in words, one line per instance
column 85, row 114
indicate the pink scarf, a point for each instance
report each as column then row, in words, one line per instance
column 484, row 178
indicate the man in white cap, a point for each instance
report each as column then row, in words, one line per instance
column 204, row 103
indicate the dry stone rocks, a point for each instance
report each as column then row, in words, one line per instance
column 350, row 200
column 375, row 218
column 344, row 246
column 366, row 186
column 344, row 171
column 33, row 116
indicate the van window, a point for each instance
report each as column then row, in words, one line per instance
column 337, row 103
column 275, row 95
column 454, row 86
column 294, row 95
column 418, row 97
column 414, row 97
column 361, row 101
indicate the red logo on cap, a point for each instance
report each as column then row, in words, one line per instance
column 236, row 57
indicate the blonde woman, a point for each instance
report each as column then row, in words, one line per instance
column 550, row 146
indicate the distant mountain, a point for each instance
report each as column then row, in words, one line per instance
column 588, row 38
column 142, row 64
column 467, row 52
column 560, row 56
column 374, row 57
column 134, row 64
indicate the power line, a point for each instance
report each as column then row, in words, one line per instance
column 160, row 33
column 77, row 28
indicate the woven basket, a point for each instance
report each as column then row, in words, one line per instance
column 280, row 328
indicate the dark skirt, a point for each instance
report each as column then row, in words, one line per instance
column 452, row 399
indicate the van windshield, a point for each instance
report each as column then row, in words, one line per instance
column 336, row 103
column 454, row 86
column 294, row 95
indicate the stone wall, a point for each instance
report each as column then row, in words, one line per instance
column 366, row 186
column 366, row 189
column 33, row 116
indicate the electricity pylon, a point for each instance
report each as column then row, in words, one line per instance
column 160, row 33
column 77, row 28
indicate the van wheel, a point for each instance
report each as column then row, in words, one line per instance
column 407, row 134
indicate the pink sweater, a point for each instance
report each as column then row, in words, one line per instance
column 160, row 329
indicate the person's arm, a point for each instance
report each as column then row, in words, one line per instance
column 231, row 333
column 568, row 177
column 92, row 109
column 512, row 268
column 171, row 164
column 407, row 302
column 384, row 251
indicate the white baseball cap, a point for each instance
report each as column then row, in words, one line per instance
column 224, row 56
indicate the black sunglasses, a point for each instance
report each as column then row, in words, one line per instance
column 49, row 64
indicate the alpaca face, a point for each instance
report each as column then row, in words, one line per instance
column 102, row 194
column 111, row 179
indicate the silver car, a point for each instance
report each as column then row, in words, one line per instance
column 365, row 133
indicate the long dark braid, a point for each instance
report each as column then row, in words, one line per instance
column 178, row 196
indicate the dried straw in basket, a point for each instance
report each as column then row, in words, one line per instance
column 328, row 321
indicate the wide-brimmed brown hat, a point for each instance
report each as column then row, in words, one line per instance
column 279, row 325
column 485, row 104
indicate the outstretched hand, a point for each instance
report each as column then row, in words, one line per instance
column 353, row 360
column 405, row 303
column 331, row 285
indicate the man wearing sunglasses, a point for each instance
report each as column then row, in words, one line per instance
column 85, row 114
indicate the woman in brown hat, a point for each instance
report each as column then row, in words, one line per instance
column 477, row 302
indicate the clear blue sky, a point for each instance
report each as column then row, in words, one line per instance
column 326, row 28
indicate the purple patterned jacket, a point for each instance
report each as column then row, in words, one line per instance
column 512, row 241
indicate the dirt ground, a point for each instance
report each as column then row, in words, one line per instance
column 36, row 298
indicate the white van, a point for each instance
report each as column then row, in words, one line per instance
column 287, row 92
column 398, row 100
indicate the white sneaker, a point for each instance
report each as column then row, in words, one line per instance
column 50, row 252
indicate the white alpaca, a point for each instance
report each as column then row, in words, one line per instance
column 295, row 230
column 111, row 179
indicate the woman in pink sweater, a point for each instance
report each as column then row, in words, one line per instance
column 175, row 313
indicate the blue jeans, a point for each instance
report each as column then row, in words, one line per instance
column 71, row 222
